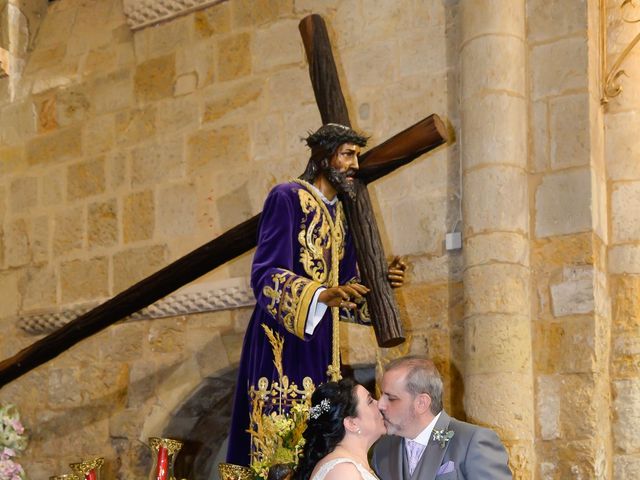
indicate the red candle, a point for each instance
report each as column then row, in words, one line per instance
column 163, row 463
column 91, row 475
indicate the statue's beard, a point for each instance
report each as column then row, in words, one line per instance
column 339, row 181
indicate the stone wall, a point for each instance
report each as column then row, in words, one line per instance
column 123, row 151
column 622, row 148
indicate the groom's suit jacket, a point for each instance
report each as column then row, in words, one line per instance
column 473, row 453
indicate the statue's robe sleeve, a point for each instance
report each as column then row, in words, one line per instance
column 283, row 294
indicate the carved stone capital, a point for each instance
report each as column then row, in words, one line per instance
column 143, row 13
column 198, row 298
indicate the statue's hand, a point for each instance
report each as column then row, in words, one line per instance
column 397, row 269
column 343, row 296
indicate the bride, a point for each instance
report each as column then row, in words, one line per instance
column 344, row 421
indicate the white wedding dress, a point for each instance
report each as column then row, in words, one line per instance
column 327, row 467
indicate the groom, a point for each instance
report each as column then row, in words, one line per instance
column 423, row 442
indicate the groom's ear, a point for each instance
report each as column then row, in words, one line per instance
column 423, row 403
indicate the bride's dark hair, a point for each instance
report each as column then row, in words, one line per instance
column 331, row 403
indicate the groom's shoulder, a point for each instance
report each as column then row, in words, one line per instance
column 387, row 441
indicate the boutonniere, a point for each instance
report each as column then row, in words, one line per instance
column 442, row 437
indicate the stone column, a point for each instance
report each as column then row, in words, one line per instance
column 498, row 379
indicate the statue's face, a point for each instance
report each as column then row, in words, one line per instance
column 343, row 167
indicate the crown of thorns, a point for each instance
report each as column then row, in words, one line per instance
column 331, row 135
column 317, row 410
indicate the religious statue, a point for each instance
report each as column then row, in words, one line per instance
column 304, row 276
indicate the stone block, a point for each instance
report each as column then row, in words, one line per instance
column 273, row 46
column 156, row 162
column 72, row 105
column 63, row 387
column 112, row 92
column 246, row 13
column 46, row 57
column 99, row 135
column 566, row 347
column 430, row 269
column 624, row 259
column 102, row 224
column 233, row 346
column 487, row 403
column 503, row 247
column 143, row 380
column 138, row 216
column 626, row 304
column 124, row 342
column 234, row 101
column 428, row 225
column 424, row 306
column 134, row 126
column 559, row 67
column 234, row 56
column 625, row 357
column 621, row 146
column 16, row 244
column 53, row 187
column 134, row 264
column 154, row 79
column 68, row 231
column 205, row 344
column 286, row 84
column 486, row 141
column 12, row 159
column 625, row 212
column 563, row 203
column 570, row 131
column 168, row 36
column 39, row 238
column 177, row 211
column 549, row 400
column 86, row 179
column 539, row 125
column 574, row 294
column 364, row 70
column 486, row 17
column 357, row 345
column 177, row 114
column 84, row 280
column 626, row 411
column 10, row 294
column 420, row 54
column 116, row 169
column 497, row 343
column 185, row 83
column 100, row 60
column 38, row 288
column 55, row 147
column 548, row 19
column 210, row 149
column 19, row 122
column 493, row 62
column 213, row 20
column 626, row 466
column 503, row 207
column 23, row 194
column 497, row 288
column 46, row 108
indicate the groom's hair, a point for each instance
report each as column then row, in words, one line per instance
column 422, row 377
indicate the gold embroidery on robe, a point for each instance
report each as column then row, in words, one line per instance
column 315, row 238
column 274, row 293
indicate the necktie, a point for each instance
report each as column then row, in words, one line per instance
column 414, row 452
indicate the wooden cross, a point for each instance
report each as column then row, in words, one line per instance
column 399, row 150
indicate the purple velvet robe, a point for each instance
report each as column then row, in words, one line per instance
column 292, row 260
